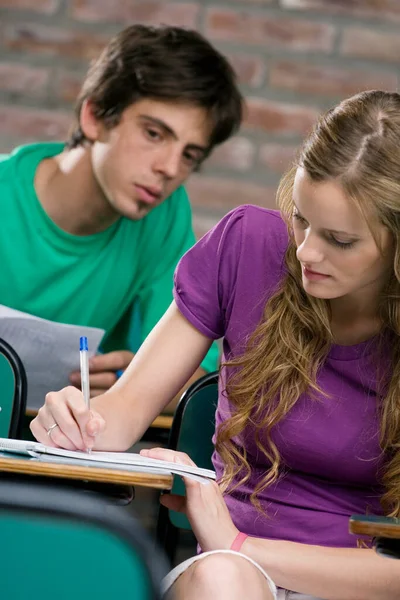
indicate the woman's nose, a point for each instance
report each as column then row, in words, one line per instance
column 309, row 251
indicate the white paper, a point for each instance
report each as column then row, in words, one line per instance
column 115, row 460
column 48, row 350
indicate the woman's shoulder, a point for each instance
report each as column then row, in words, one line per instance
column 258, row 217
column 262, row 226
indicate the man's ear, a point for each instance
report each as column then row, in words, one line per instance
column 89, row 124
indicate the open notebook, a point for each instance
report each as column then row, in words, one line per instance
column 114, row 460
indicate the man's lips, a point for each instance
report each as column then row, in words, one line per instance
column 148, row 194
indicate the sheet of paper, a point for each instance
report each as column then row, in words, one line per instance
column 48, row 350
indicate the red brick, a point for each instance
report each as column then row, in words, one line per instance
column 24, row 80
column 142, row 11
column 203, row 223
column 223, row 194
column 249, row 69
column 237, row 153
column 277, row 157
column 52, row 41
column 277, row 32
column 32, row 125
column 278, row 117
column 376, row 9
column 68, row 85
column 327, row 80
column 41, row 6
column 366, row 43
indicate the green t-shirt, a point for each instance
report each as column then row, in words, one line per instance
column 120, row 279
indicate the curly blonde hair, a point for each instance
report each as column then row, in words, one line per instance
column 356, row 144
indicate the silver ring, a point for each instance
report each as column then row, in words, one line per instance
column 50, row 429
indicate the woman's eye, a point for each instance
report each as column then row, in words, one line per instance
column 339, row 244
column 299, row 218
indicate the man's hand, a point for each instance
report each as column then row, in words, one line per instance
column 103, row 371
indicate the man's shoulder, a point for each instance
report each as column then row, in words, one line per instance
column 26, row 157
column 6, row 164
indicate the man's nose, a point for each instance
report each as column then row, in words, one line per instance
column 168, row 162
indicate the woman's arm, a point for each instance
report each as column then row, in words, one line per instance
column 329, row 573
column 166, row 360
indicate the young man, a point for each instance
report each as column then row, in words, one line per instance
column 91, row 231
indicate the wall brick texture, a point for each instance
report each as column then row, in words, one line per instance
column 294, row 59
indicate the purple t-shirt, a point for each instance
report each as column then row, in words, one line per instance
column 331, row 446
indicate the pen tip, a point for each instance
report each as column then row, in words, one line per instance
column 83, row 343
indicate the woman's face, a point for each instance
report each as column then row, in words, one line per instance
column 335, row 247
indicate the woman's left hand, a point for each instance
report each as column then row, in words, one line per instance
column 203, row 505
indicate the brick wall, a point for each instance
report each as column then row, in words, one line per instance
column 294, row 59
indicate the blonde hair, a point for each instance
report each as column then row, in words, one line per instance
column 357, row 144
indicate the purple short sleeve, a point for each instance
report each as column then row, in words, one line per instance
column 205, row 277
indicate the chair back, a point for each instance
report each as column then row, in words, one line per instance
column 13, row 390
column 191, row 432
column 60, row 543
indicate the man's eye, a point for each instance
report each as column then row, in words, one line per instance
column 190, row 159
column 153, row 134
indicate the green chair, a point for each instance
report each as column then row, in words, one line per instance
column 59, row 543
column 13, row 388
column 191, row 432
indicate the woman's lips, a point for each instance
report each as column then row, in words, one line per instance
column 314, row 275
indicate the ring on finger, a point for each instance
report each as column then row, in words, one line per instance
column 50, row 429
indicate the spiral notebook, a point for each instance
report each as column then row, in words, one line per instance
column 125, row 460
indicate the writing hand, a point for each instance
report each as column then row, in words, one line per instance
column 77, row 426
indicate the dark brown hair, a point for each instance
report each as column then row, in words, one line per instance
column 165, row 63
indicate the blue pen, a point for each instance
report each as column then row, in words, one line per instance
column 84, row 360
column 119, row 373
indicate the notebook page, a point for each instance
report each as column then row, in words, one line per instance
column 106, row 459
column 130, row 458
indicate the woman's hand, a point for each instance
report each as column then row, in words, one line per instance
column 203, row 505
column 76, row 425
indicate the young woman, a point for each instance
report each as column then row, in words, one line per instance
column 308, row 420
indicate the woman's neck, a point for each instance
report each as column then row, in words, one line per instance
column 354, row 320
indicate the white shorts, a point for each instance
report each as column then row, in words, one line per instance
column 277, row 594
column 181, row 568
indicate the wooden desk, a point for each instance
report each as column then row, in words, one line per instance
column 378, row 527
column 30, row 466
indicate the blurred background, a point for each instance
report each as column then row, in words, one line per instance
column 294, row 59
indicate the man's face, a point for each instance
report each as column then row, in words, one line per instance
column 149, row 154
